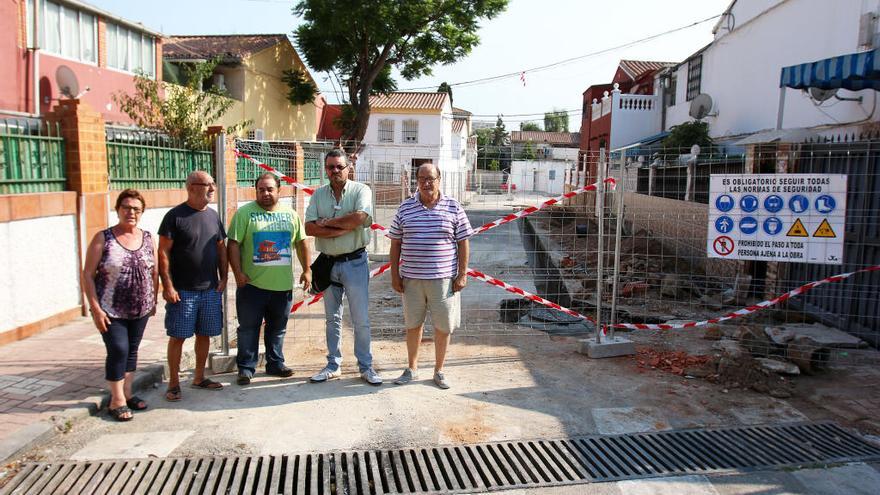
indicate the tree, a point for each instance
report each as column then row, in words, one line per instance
column 682, row 136
column 445, row 88
column 529, row 126
column 528, row 152
column 360, row 41
column 300, row 89
column 499, row 134
column 556, row 121
column 185, row 112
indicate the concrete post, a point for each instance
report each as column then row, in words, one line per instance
column 85, row 154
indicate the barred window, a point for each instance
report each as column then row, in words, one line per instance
column 670, row 91
column 695, row 72
column 410, row 131
column 386, row 131
column 385, row 172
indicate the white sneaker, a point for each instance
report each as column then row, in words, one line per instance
column 407, row 376
column 324, row 375
column 440, row 380
column 370, row 376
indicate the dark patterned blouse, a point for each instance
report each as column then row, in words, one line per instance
column 124, row 279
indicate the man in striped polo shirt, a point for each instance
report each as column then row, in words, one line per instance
column 429, row 257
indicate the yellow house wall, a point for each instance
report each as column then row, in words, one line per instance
column 265, row 97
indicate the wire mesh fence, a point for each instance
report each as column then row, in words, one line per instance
column 31, row 156
column 643, row 259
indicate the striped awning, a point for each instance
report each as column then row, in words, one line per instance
column 854, row 72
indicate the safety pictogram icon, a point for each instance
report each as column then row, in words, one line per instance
column 798, row 230
column 723, row 245
column 824, row 230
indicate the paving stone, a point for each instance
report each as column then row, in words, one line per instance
column 618, row 420
column 678, row 485
column 765, row 482
column 132, row 445
column 853, row 479
column 769, row 412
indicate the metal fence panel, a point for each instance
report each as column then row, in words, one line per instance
column 31, row 157
column 145, row 159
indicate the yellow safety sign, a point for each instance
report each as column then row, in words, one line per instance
column 798, row 230
column 824, row 230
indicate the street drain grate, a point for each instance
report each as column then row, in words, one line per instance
column 454, row 469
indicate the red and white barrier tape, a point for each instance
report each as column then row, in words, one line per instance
column 304, row 188
column 527, row 295
column 532, row 209
column 749, row 309
column 317, row 297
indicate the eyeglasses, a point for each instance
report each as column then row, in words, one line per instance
column 335, row 167
column 205, row 184
column 133, row 209
column 427, row 180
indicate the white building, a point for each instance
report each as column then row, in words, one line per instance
column 741, row 69
column 407, row 129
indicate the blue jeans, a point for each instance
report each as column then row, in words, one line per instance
column 354, row 275
column 253, row 306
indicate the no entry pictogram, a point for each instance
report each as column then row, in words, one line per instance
column 723, row 245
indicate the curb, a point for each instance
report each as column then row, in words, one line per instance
column 30, row 436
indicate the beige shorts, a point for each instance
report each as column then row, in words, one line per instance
column 436, row 296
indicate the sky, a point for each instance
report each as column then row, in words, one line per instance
column 529, row 34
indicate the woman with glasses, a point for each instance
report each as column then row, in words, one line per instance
column 121, row 281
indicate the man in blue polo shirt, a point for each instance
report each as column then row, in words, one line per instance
column 429, row 257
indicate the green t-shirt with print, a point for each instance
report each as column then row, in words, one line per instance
column 267, row 240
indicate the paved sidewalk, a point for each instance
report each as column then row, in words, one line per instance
column 57, row 375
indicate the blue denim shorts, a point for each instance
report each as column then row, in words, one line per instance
column 198, row 312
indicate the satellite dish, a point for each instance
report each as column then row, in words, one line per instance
column 701, row 105
column 66, row 80
column 821, row 95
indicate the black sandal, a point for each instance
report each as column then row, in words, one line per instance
column 119, row 412
column 135, row 403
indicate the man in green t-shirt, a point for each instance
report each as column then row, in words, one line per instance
column 262, row 237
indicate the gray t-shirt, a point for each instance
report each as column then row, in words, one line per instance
column 194, row 252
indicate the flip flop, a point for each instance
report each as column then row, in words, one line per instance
column 208, row 384
column 173, row 394
column 118, row 413
column 135, row 403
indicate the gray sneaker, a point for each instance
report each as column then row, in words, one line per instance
column 370, row 376
column 440, row 380
column 407, row 376
column 324, row 375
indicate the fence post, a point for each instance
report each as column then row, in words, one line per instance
column 85, row 154
column 618, row 218
column 600, row 260
column 220, row 173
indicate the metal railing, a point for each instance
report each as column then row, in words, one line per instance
column 31, row 157
column 145, row 159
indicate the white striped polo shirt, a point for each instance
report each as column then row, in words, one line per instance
column 429, row 236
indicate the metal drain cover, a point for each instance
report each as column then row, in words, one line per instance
column 455, row 469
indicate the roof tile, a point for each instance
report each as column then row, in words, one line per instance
column 232, row 47
column 405, row 100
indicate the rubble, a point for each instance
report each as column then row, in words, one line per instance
column 777, row 366
column 675, row 362
column 820, row 335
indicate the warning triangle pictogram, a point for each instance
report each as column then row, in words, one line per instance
column 824, row 230
column 798, row 230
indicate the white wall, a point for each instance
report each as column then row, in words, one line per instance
column 39, row 271
column 741, row 69
column 533, row 175
column 628, row 125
